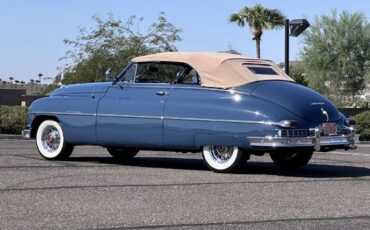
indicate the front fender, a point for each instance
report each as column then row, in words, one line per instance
column 75, row 113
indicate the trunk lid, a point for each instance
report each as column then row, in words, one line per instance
column 298, row 99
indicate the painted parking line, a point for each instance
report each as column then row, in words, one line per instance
column 349, row 153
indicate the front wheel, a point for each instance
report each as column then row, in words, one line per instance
column 50, row 141
column 122, row 154
column 223, row 158
column 292, row 160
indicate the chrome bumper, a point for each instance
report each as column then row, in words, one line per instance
column 26, row 133
column 315, row 140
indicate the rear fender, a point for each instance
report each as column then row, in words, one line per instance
column 220, row 140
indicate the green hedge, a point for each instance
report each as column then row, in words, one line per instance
column 12, row 119
column 363, row 125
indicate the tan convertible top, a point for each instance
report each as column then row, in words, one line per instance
column 221, row 70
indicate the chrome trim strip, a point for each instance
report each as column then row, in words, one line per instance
column 128, row 116
column 159, row 117
column 147, row 85
column 63, row 113
column 231, row 91
column 172, row 86
column 222, row 120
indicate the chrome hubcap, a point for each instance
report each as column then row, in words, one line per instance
column 50, row 139
column 221, row 154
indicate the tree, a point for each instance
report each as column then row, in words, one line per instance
column 336, row 55
column 112, row 43
column 297, row 72
column 258, row 19
column 11, row 80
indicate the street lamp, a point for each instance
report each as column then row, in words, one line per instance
column 293, row 28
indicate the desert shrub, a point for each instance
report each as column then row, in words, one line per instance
column 363, row 125
column 12, row 119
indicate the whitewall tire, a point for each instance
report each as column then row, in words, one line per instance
column 50, row 141
column 223, row 158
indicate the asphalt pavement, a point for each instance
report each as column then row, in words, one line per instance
column 166, row 190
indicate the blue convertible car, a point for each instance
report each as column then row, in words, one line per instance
column 226, row 106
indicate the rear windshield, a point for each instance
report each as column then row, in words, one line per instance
column 263, row 70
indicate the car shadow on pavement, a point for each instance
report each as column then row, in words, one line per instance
column 313, row 170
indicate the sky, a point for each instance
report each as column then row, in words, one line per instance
column 32, row 32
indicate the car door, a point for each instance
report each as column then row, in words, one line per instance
column 131, row 113
column 184, row 107
column 194, row 115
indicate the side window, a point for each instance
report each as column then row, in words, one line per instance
column 192, row 78
column 130, row 74
column 152, row 72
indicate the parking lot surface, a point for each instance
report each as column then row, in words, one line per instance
column 166, row 190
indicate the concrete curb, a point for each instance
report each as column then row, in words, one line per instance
column 20, row 137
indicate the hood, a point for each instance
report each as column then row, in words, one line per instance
column 100, row 87
column 300, row 100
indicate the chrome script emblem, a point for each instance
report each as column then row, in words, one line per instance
column 317, row 103
column 325, row 113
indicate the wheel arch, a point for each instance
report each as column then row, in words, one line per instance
column 219, row 139
column 38, row 120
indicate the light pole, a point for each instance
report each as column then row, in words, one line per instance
column 295, row 27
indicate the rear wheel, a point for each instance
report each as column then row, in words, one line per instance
column 292, row 160
column 50, row 141
column 223, row 158
column 122, row 154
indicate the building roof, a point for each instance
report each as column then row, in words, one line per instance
column 220, row 70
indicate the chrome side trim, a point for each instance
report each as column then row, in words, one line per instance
column 63, row 113
column 147, row 85
column 129, row 116
column 159, row 117
column 222, row 120
column 231, row 91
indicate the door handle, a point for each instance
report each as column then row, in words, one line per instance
column 161, row 93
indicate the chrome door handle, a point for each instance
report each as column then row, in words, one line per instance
column 161, row 93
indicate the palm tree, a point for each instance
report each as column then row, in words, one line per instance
column 32, row 82
column 38, row 85
column 40, row 75
column 11, row 80
column 258, row 18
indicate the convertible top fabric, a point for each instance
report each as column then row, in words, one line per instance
column 220, row 70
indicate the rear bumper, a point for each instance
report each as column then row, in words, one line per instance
column 315, row 140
